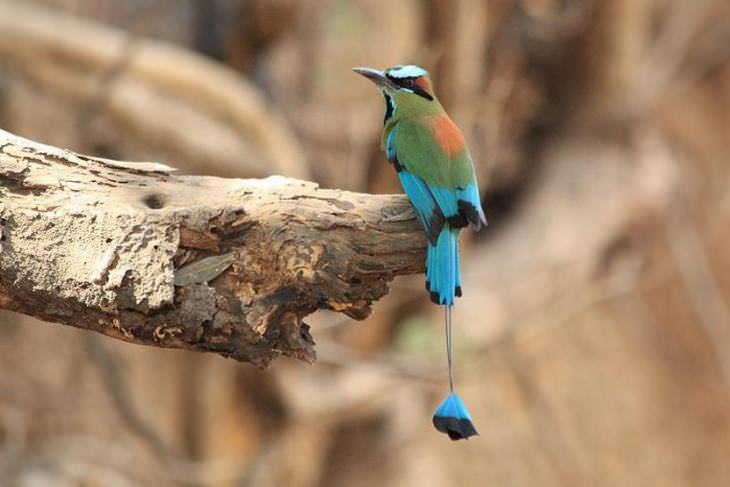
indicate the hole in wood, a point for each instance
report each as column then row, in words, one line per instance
column 154, row 201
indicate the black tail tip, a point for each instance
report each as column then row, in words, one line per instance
column 456, row 428
column 435, row 296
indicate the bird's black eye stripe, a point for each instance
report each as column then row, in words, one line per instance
column 410, row 84
column 404, row 82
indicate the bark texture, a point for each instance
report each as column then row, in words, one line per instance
column 99, row 244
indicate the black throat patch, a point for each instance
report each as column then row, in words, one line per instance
column 389, row 107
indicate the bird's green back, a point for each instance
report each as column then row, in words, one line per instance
column 413, row 131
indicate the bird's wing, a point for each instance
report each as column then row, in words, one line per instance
column 433, row 153
column 422, row 199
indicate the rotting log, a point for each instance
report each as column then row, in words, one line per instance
column 97, row 244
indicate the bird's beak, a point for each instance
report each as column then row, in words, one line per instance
column 377, row 77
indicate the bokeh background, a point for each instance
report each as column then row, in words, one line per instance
column 593, row 341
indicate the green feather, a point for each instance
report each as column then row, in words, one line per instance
column 419, row 153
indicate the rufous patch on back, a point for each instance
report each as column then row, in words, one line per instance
column 447, row 135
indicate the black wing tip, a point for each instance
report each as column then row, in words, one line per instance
column 482, row 222
column 456, row 428
column 458, row 221
column 472, row 215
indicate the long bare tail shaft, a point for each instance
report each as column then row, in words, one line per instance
column 449, row 353
column 452, row 417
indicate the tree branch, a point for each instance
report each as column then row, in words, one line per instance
column 97, row 244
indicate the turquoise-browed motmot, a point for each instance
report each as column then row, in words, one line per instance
column 436, row 171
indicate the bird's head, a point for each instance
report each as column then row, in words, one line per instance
column 407, row 86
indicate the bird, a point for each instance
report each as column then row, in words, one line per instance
column 435, row 169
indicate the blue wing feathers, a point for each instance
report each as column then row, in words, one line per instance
column 470, row 194
column 427, row 211
column 446, row 199
column 473, row 209
column 390, row 145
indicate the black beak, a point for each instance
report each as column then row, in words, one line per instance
column 377, row 77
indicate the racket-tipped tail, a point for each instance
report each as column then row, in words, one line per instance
column 453, row 419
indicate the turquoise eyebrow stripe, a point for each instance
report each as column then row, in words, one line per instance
column 410, row 71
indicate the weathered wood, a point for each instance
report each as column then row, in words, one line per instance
column 96, row 244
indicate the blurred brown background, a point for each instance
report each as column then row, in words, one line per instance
column 593, row 341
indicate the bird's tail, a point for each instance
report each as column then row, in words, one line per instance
column 443, row 280
column 443, row 277
column 452, row 417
